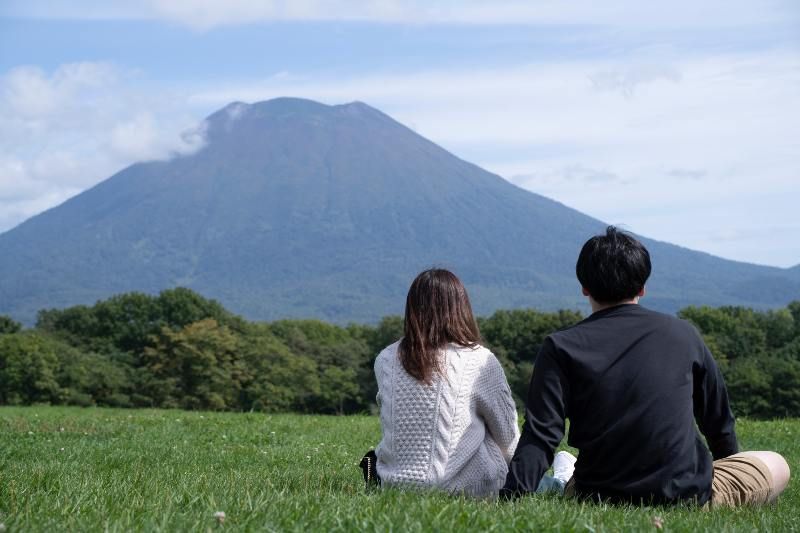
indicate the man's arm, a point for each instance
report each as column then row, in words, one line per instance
column 712, row 410
column 544, row 425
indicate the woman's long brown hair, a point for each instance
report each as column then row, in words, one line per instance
column 438, row 312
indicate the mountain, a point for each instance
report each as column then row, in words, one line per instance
column 299, row 209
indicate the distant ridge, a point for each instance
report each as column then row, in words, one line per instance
column 300, row 209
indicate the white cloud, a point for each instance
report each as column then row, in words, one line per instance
column 140, row 139
column 236, row 110
column 14, row 183
column 627, row 81
column 136, row 138
column 22, row 195
column 64, row 131
column 28, row 92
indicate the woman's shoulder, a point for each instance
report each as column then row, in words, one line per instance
column 392, row 348
column 479, row 354
column 476, row 350
column 388, row 352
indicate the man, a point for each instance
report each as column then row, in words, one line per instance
column 633, row 383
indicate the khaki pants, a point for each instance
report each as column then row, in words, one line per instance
column 738, row 480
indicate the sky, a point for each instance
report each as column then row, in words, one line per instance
column 676, row 120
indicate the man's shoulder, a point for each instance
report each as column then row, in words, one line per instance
column 674, row 323
column 652, row 314
column 643, row 314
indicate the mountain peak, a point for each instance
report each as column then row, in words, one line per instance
column 284, row 104
column 358, row 105
column 238, row 114
column 290, row 105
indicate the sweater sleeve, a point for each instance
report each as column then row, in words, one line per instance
column 383, row 399
column 378, row 368
column 711, row 407
column 495, row 405
column 543, row 429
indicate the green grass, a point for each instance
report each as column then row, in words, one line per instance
column 120, row 470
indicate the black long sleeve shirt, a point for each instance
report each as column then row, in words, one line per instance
column 632, row 382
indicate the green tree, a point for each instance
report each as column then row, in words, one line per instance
column 126, row 322
column 180, row 307
column 343, row 368
column 785, row 381
column 338, row 386
column 778, row 326
column 279, row 380
column 331, row 346
column 8, row 325
column 197, row 367
column 719, row 356
column 794, row 309
column 388, row 331
column 75, row 325
column 28, row 366
column 516, row 337
column 519, row 333
column 739, row 331
column 91, row 379
column 790, row 350
column 749, row 388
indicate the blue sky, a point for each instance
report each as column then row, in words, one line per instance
column 676, row 120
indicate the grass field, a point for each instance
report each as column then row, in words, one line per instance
column 120, row 470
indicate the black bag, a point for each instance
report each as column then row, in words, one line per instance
column 369, row 470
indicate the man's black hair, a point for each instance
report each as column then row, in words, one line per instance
column 613, row 267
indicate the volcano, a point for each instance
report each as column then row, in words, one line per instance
column 298, row 209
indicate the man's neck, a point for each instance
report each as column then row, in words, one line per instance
column 597, row 306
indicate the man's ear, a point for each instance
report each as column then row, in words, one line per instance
column 586, row 292
column 642, row 292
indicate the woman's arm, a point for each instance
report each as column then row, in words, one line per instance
column 496, row 406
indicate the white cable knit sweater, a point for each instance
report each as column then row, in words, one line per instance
column 457, row 434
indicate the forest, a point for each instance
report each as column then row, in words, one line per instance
column 179, row 349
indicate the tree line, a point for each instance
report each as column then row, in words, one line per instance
column 181, row 350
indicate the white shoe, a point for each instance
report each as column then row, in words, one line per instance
column 563, row 466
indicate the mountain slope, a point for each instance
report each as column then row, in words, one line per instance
column 295, row 208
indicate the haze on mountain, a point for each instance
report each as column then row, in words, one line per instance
column 299, row 209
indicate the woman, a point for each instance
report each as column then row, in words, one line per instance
column 447, row 415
